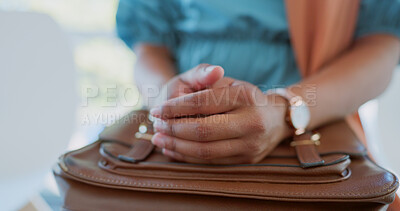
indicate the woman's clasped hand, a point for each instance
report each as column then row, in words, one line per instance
column 211, row 119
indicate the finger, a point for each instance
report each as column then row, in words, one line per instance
column 210, row 128
column 224, row 82
column 202, row 76
column 201, row 150
column 219, row 161
column 210, row 101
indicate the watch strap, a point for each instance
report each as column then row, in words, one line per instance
column 304, row 141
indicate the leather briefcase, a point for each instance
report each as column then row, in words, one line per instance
column 122, row 172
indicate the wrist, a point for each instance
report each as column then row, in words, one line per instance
column 279, row 105
column 297, row 113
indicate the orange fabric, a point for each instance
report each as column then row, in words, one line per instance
column 355, row 123
column 395, row 205
column 321, row 30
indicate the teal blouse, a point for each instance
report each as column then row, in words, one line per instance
column 248, row 38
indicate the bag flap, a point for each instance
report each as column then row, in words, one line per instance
column 277, row 177
column 336, row 138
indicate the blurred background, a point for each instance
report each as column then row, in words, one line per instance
column 99, row 61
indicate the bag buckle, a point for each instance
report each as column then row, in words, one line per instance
column 314, row 140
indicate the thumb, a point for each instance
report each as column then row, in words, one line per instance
column 202, row 76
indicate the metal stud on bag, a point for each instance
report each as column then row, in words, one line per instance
column 142, row 134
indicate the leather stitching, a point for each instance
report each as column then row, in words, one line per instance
column 143, row 184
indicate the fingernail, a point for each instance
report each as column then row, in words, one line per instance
column 156, row 111
column 158, row 140
column 172, row 154
column 210, row 68
column 167, row 152
column 160, row 125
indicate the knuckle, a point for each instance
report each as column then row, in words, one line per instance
column 196, row 101
column 165, row 111
column 250, row 94
column 254, row 146
column 257, row 125
column 229, row 146
column 170, row 144
column 202, row 132
column 249, row 159
column 242, row 94
column 204, row 152
column 172, row 129
column 252, row 160
column 248, row 88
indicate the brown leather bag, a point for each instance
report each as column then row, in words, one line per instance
column 121, row 172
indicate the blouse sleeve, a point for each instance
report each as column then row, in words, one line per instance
column 148, row 21
column 378, row 16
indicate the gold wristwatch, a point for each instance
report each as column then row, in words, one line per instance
column 298, row 113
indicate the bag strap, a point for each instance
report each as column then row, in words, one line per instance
column 306, row 149
column 129, row 138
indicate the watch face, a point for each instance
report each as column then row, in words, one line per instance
column 300, row 115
